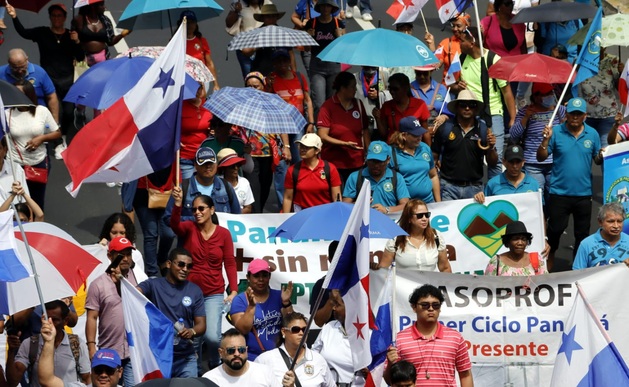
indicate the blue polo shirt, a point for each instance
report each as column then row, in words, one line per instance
column 595, row 251
column 382, row 192
column 572, row 160
column 37, row 76
column 499, row 185
column 440, row 99
column 415, row 170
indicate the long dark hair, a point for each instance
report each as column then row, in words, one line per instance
column 28, row 89
column 403, row 81
column 205, row 199
column 405, row 222
column 122, row 218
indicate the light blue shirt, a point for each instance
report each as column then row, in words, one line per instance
column 595, row 251
column 415, row 169
column 499, row 185
column 382, row 192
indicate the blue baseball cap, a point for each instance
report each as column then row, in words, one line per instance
column 576, row 105
column 107, row 357
column 190, row 15
column 378, row 150
column 411, row 125
column 205, row 155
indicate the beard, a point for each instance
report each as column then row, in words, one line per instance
column 238, row 366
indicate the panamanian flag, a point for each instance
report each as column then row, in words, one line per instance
column 139, row 134
column 11, row 267
column 450, row 9
column 405, row 11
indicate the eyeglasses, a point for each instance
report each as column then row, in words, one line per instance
column 428, row 305
column 421, row 215
column 182, row 264
column 232, row 350
column 98, row 370
column 469, row 104
column 295, row 329
column 200, row 209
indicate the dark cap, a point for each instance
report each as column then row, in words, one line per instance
column 412, row 126
column 190, row 15
column 59, row 6
column 205, row 155
column 514, row 152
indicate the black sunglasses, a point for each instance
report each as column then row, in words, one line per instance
column 465, row 105
column 200, row 209
column 182, row 264
column 420, row 215
column 428, row 305
column 295, row 329
column 98, row 370
column 232, row 350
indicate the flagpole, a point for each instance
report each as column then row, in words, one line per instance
column 30, row 257
column 443, row 104
column 394, row 327
column 177, row 172
column 480, row 33
column 593, row 313
column 302, row 342
column 424, row 19
column 563, row 94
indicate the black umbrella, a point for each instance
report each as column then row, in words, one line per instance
column 556, row 11
column 12, row 96
column 179, row 382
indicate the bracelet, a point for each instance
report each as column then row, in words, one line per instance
column 90, row 342
column 286, row 146
column 194, row 333
column 387, row 209
column 542, row 146
column 287, row 306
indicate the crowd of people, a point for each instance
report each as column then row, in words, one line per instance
column 415, row 139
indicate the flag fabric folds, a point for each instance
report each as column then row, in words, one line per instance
column 11, row 268
column 138, row 134
column 149, row 333
column 623, row 88
column 405, row 11
column 587, row 357
column 455, row 67
column 450, row 9
column 590, row 54
column 382, row 337
column 349, row 273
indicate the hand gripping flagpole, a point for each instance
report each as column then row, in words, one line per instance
column 30, row 257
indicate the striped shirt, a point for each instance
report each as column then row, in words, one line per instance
column 533, row 132
column 438, row 357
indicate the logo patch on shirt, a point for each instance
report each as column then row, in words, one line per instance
column 309, row 369
column 452, row 136
column 322, row 175
column 186, row 301
column 426, row 156
column 388, row 187
column 197, row 46
column 356, row 114
column 587, row 144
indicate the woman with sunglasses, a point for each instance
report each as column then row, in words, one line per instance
column 517, row 261
column 423, row 249
column 211, row 248
column 311, row 369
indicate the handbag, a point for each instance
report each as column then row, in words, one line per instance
column 31, row 173
column 157, row 199
column 79, row 69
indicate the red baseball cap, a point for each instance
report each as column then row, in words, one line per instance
column 120, row 244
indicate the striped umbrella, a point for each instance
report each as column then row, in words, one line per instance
column 271, row 36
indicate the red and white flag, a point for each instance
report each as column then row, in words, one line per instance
column 623, row 88
column 139, row 134
column 405, row 11
column 349, row 273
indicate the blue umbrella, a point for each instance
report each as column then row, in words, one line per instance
column 327, row 221
column 378, row 47
column 105, row 82
column 150, row 14
column 255, row 110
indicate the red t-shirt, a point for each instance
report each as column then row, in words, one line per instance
column 195, row 126
column 344, row 125
column 416, row 108
column 208, row 256
column 197, row 48
column 312, row 185
column 290, row 90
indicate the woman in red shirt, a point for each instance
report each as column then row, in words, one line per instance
column 402, row 105
column 211, row 248
column 195, row 127
column 197, row 46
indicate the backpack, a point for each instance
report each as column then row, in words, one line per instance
column 75, row 346
column 297, row 167
column 484, row 76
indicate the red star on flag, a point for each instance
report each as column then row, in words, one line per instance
column 359, row 328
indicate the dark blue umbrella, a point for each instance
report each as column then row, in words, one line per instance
column 327, row 221
column 105, row 82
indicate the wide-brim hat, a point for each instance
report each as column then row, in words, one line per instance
column 515, row 228
column 335, row 6
column 465, row 95
column 268, row 9
column 228, row 157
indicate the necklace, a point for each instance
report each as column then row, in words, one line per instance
column 426, row 373
column 92, row 23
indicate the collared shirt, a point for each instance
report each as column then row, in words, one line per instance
column 471, row 74
column 6, row 180
column 35, row 75
column 311, row 370
column 312, row 184
column 382, row 191
column 421, row 257
column 392, row 115
column 438, row 356
column 571, row 174
column 500, row 185
column 462, row 160
column 596, row 251
column 415, row 168
column 427, row 96
column 333, row 344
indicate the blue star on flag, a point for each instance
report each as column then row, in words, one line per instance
column 364, row 232
column 568, row 344
column 165, row 80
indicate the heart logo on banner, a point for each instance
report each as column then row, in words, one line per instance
column 484, row 225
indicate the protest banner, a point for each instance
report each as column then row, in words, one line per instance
column 616, row 176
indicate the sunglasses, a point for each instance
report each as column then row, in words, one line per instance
column 182, row 264
column 232, row 350
column 98, row 370
column 465, row 105
column 200, row 209
column 295, row 329
column 428, row 305
column 421, row 215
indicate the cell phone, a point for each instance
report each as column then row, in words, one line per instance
column 114, row 264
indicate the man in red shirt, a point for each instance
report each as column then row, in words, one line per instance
column 435, row 350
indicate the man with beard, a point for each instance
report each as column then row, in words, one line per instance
column 236, row 370
column 179, row 298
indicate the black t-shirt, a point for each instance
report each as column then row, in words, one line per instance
column 461, row 157
column 324, row 32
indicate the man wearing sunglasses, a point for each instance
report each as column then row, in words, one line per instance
column 236, row 369
column 458, row 151
column 177, row 298
column 106, row 365
column 435, row 350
